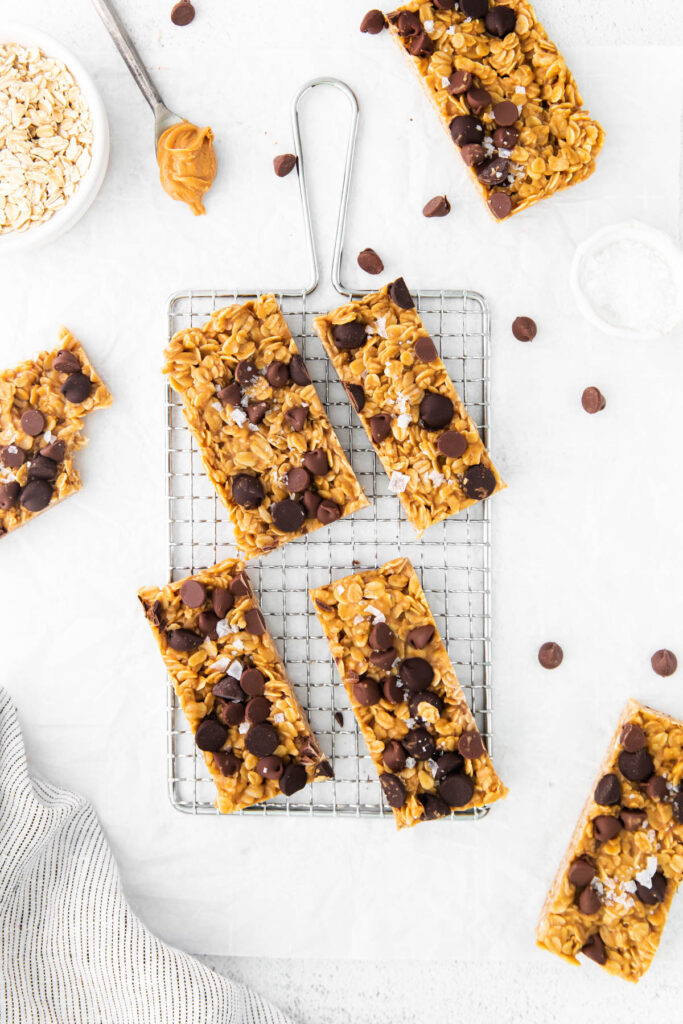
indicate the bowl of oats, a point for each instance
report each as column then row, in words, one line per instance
column 54, row 138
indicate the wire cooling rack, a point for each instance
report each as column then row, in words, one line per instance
column 452, row 558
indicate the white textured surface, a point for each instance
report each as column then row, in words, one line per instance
column 585, row 538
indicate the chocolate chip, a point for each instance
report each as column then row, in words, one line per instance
column 550, row 654
column 654, row 893
column 581, row 872
column 656, row 787
column 524, row 328
column 231, row 394
column 316, row 462
column 383, row 659
column 297, row 480
column 339, row 718
column 394, row 756
column 505, row 113
column 192, row 593
column 459, row 83
column 257, row 710
column 677, row 807
column 262, row 739
column 606, row 827
column 229, row 689
column 500, row 205
column 373, row 22
column 471, row 745
column 493, row 171
column 210, row 734
column 9, row 494
column 632, row 818
column 437, row 207
column 277, row 374
column 366, row 692
column 356, row 396
column 457, row 789
column 420, row 636
column 381, row 637
column 448, row 763
column 298, row 371
column 183, row 640
column 391, row 690
column 311, row 502
column 664, row 662
column 284, row 163
column 632, row 737
column 478, row 100
column 393, row 789
column 42, row 468
column 399, row 294
column 419, row 744
column 36, row 496
column 56, row 451
column 76, row 388
column 155, row 614
column 370, row 262
column 425, row 349
column 434, row 807
column 478, row 482
column 594, row 949
column 465, row 128
column 252, row 682
column 452, row 444
column 246, row 372
column 421, row 45
column 12, row 456
column 328, row 512
column 425, row 697
column 408, row 24
column 637, row 766
column 270, row 767
column 474, row 8
column 349, row 336
column 473, row 154
column 32, row 422
column 589, row 901
column 256, row 411
column 293, row 779
column 182, row 13
column 288, row 515
column 247, row 491
column 230, row 712
column 296, row 417
column 608, row 790
column 239, row 586
column 66, row 362
column 436, row 411
column 593, row 400
column 444, row 5
column 500, row 21
column 254, row 622
column 380, row 427
column 226, row 762
column 416, row 673
column 505, row 138
column 222, row 601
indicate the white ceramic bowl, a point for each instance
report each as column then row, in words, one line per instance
column 662, row 248
column 90, row 184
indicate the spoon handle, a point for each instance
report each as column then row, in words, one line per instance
column 125, row 46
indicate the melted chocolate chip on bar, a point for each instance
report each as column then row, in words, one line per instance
column 398, row 293
column 298, row 371
column 32, row 422
column 608, row 790
column 296, row 417
column 419, row 744
column 500, row 205
column 444, row 5
column 457, row 789
column 380, row 427
column 594, row 949
column 277, row 374
column 448, row 763
column 420, row 636
column 473, row 154
column 183, row 640
column 349, row 336
column 66, row 362
column 288, row 515
column 328, row 512
column 356, row 396
column 381, row 637
column 226, row 762
column 254, row 622
column 421, row 45
column 230, row 713
column 253, row 682
column 459, row 83
column 246, row 372
column 471, row 745
column 262, row 739
column 465, row 129
column 434, row 807
column 9, row 495
column 293, row 779
column 632, row 738
column 425, row 697
column 581, row 872
column 256, row 411
column 56, row 451
column 474, row 8
column 42, row 468
column 637, row 766
column 76, row 388
column 366, row 692
column 505, row 138
column 425, row 350
column 394, row 756
column 231, row 394
column 505, row 113
column 656, row 891
column 416, row 673
column 311, row 502
column 239, row 586
column 407, row 23
column 36, row 496
column 393, row 789
column 493, row 171
column 436, row 411
column 632, row 818
column 317, row 462
column 192, row 593
column 384, row 659
column 270, row 767
column 297, row 480
column 392, row 691
column 12, row 456
column 207, row 623
column 210, row 734
column 606, row 827
column 656, row 789
column 588, row 901
column 229, row 689
column 222, row 601
column 478, row 482
column 478, row 100
column 452, row 444
column 247, row 491
column 257, row 710
column 500, row 21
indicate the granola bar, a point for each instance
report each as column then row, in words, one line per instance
column 612, row 894
column 43, row 403
column 233, row 687
column 403, row 689
column 504, row 93
column 264, row 438
column 398, row 385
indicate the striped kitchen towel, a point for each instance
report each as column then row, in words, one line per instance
column 71, row 950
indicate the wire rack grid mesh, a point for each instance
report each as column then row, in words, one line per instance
column 452, row 559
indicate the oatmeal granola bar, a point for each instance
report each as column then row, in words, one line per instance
column 264, row 438
column 233, row 687
column 613, row 891
column 43, row 403
column 398, row 385
column 411, row 710
column 504, row 93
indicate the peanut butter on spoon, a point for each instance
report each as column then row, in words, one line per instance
column 187, row 163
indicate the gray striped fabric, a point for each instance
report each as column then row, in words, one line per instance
column 71, row 950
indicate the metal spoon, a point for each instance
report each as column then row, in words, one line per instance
column 163, row 117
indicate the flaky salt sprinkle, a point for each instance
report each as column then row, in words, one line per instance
column 244, row 727
column 398, row 482
column 238, row 416
column 377, row 615
column 278, row 718
column 645, row 876
column 428, row 25
column 404, row 420
column 235, row 669
column 436, row 477
column 381, row 326
column 222, row 628
column 219, row 665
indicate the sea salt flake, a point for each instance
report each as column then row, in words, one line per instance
column 410, row 722
column 235, row 669
column 445, row 82
column 450, row 31
column 630, row 886
column 436, row 477
column 279, row 718
column 222, row 628
column 219, row 665
column 381, row 326
column 49, row 436
column 645, row 876
column 410, row 762
column 244, row 727
column 520, row 88
column 237, row 644
column 433, row 767
column 217, row 406
column 428, row 25
column 377, row 615
column 238, row 416
column 358, row 619
column 404, row 420
column 398, row 482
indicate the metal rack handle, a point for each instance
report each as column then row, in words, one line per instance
column 346, row 184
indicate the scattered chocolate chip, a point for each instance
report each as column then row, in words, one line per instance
column 247, row 491
column 437, row 207
column 230, row 712
column 256, row 411
column 493, row 171
column 459, row 83
column 246, row 372
column 425, row 350
column 42, row 468
column 632, row 818
column 257, row 710
column 473, row 154
column 239, row 586
column 32, row 422
column 434, row 807
column 637, row 766
column 588, row 901
column 270, row 767
column 419, row 744
column 444, row 5
column 478, row 482
column 254, row 622
column 593, row 400
column 253, row 682
column 524, row 328
column 471, row 745
column 66, row 362
column 421, row 45
column 391, row 690
column 380, row 427
column 474, row 8
column 183, row 640
column 550, row 654
column 448, row 763
column 210, row 734
column 76, row 388
column 465, row 129
column 456, row 789
column 608, row 790
column 293, row 779
column 182, row 13
column 12, row 456
column 229, row 689
column 192, row 593
column 262, row 739
column 393, row 789
column 436, row 411
column 356, row 396
column 311, row 502
column 349, row 336
column 373, row 22
column 284, row 163
column 296, row 417
column 226, row 762
column 339, row 718
column 383, row 659
column 298, row 371
column 500, row 205
column 425, row 697
column 632, row 737
column 408, row 24
column 420, row 636
column 370, row 262
column 416, row 673
column 366, row 692
column 664, row 662
column 231, row 394
column 277, row 374
column 381, row 637
column 505, row 113
column 505, row 138
column 9, row 495
column 155, row 614
column 328, row 512
column 36, row 496
column 222, row 601
column 594, row 949
column 297, row 480
column 581, row 872
column 677, row 807
column 655, row 892
column 500, row 21
column 56, row 451
column 656, row 787
column 398, row 293
column 288, row 515
column 606, row 827
column 394, row 756
column 478, row 100
column 316, row 462
column 452, row 444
